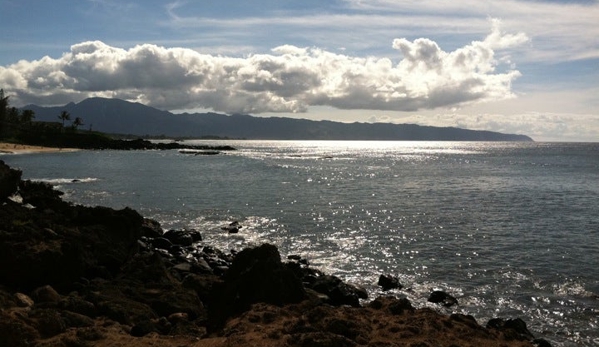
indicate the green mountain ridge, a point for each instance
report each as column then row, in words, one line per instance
column 123, row 117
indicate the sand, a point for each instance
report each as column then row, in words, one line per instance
column 13, row 148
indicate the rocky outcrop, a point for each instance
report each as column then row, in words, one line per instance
column 41, row 136
column 9, row 180
column 183, row 237
column 140, row 144
column 232, row 228
column 441, row 297
column 93, row 276
column 51, row 243
column 256, row 275
column 388, row 282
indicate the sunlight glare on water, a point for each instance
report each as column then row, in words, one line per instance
column 510, row 229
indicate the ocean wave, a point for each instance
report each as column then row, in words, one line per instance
column 60, row 181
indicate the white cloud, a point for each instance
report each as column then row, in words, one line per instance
column 289, row 80
column 380, row 119
column 540, row 126
column 559, row 30
column 544, row 116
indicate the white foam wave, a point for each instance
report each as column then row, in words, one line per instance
column 573, row 288
column 60, row 181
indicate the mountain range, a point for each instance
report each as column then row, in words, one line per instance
column 122, row 117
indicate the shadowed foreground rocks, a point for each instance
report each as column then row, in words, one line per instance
column 91, row 276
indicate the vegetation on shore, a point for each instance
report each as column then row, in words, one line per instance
column 18, row 126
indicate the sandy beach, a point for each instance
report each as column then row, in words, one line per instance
column 13, row 148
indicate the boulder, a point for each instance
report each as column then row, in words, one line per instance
column 201, row 266
column 388, row 282
column 42, row 195
column 151, row 228
column 45, row 294
column 215, row 252
column 339, row 293
column 146, row 280
column 256, row 275
column 233, row 227
column 512, row 328
column 179, row 237
column 441, row 297
column 162, row 243
column 299, row 259
column 9, row 180
column 23, row 300
column 48, row 322
column 541, row 343
column 203, row 285
column 196, row 236
column 361, row 292
column 76, row 320
column 76, row 304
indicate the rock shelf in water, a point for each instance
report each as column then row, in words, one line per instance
column 72, row 275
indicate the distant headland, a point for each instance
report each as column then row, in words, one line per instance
column 117, row 116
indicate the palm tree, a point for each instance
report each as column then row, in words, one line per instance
column 77, row 122
column 64, row 115
column 27, row 116
column 3, row 104
column 3, row 109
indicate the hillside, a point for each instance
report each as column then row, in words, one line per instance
column 122, row 117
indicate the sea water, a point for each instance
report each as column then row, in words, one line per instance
column 510, row 229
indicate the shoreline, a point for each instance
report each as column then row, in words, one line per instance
column 105, row 144
column 15, row 148
column 142, row 285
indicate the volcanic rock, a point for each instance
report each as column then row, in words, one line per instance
column 9, row 180
column 94, row 280
column 256, row 275
column 388, row 282
column 441, row 297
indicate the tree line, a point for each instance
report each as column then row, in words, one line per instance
column 16, row 124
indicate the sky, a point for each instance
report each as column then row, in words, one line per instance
column 515, row 66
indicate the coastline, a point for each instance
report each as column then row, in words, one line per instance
column 15, row 148
column 104, row 143
column 141, row 285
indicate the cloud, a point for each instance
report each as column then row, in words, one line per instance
column 541, row 126
column 559, row 30
column 379, row 119
column 289, row 79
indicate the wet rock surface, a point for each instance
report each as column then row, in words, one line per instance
column 93, row 276
column 443, row 298
column 388, row 282
column 9, row 180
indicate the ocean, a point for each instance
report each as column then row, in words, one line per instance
column 509, row 229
